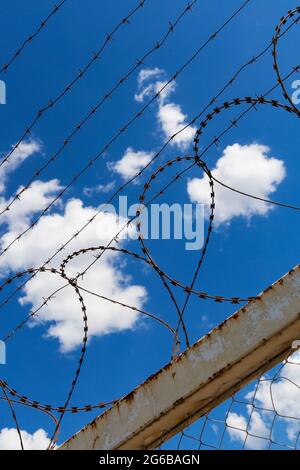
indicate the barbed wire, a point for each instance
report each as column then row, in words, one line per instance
column 122, row 187
column 84, row 341
column 52, row 102
column 32, row 36
column 198, row 160
column 193, row 120
column 73, row 283
column 13, row 413
column 139, row 212
column 106, row 147
column 108, row 95
column 226, row 105
column 233, row 123
column 258, row 198
column 259, row 100
column 145, row 250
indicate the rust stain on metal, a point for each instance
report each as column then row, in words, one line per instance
column 206, row 362
column 93, row 424
column 129, row 397
column 95, row 440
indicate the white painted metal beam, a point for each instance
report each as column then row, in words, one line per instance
column 249, row 342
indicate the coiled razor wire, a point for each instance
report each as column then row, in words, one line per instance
column 13, row 397
column 291, row 14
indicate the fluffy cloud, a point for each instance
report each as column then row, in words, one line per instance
column 100, row 188
column 152, row 88
column 9, row 440
column 247, row 168
column 170, row 116
column 146, row 74
column 33, row 200
column 23, row 151
column 106, row 277
column 63, row 316
column 172, row 119
column 257, row 430
column 131, row 163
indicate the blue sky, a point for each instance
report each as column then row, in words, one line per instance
column 246, row 252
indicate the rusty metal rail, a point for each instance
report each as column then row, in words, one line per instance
column 251, row 341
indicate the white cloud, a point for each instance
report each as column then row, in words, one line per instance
column 170, row 116
column 106, row 277
column 146, row 74
column 35, row 199
column 131, row 163
column 23, row 151
column 100, row 188
column 248, row 168
column 172, row 119
column 63, row 316
column 237, row 425
column 159, row 86
column 257, row 430
column 9, row 440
